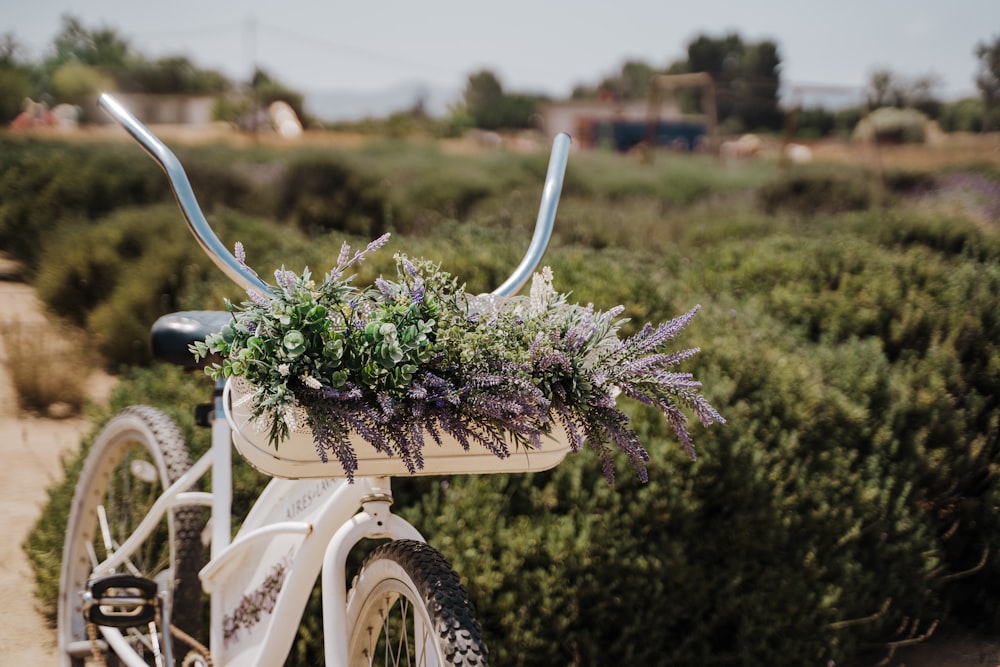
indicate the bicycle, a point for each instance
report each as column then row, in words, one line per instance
column 132, row 581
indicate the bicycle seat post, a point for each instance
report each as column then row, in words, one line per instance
column 222, row 474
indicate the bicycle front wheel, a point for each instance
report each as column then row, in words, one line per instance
column 408, row 607
column 137, row 454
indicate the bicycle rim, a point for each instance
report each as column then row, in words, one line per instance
column 136, row 455
column 408, row 607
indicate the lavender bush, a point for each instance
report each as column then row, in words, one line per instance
column 401, row 361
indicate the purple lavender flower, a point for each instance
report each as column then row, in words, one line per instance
column 535, row 364
column 417, row 291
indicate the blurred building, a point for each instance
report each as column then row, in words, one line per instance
column 623, row 126
column 190, row 110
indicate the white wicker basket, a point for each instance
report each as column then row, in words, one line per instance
column 296, row 457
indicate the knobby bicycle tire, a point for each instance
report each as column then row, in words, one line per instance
column 408, row 585
column 137, row 454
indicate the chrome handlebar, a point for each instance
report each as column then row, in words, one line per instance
column 181, row 186
column 246, row 279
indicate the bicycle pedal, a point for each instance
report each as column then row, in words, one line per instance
column 121, row 601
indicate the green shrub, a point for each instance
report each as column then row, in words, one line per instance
column 44, row 185
column 16, row 84
column 892, row 125
column 810, row 193
column 115, row 278
column 325, row 194
column 817, row 531
column 855, row 358
column 218, row 183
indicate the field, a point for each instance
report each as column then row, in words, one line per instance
column 848, row 334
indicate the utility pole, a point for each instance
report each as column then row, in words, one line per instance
column 251, row 50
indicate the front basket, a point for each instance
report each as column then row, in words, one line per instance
column 297, row 458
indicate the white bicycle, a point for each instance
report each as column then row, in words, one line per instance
column 132, row 580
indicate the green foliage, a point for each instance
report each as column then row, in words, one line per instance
column 807, row 193
column 747, row 77
column 988, row 81
column 75, row 82
column 114, row 279
column 965, row 115
column 508, row 112
column 481, row 87
column 15, row 85
column 172, row 75
column 323, row 194
column 892, row 125
column 852, row 348
column 490, row 108
column 45, row 185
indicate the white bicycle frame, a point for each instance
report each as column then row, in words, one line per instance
column 297, row 529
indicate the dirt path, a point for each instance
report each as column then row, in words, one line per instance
column 31, row 449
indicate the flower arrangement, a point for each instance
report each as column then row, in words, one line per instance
column 402, row 361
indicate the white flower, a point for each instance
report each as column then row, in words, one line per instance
column 312, row 382
column 485, row 306
column 541, row 292
column 290, row 417
column 283, row 370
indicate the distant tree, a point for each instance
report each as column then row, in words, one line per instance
column 883, row 90
column 510, row 111
column 583, row 92
column 747, row 79
column 268, row 90
column 481, row 88
column 172, row 75
column 490, row 108
column 102, row 52
column 921, row 94
column 12, row 52
column 964, row 115
column 17, row 78
column 102, row 47
column 74, row 82
column 632, row 82
column 760, row 84
column 988, row 81
column 888, row 89
column 814, row 122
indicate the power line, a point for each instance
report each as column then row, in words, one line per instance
column 298, row 37
column 185, row 32
column 326, row 43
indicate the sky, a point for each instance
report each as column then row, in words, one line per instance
column 533, row 46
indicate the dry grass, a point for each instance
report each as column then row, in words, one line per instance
column 48, row 367
column 941, row 151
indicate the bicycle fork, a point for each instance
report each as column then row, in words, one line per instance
column 375, row 521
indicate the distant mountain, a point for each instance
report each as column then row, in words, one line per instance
column 347, row 105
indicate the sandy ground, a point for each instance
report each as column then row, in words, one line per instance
column 32, row 447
